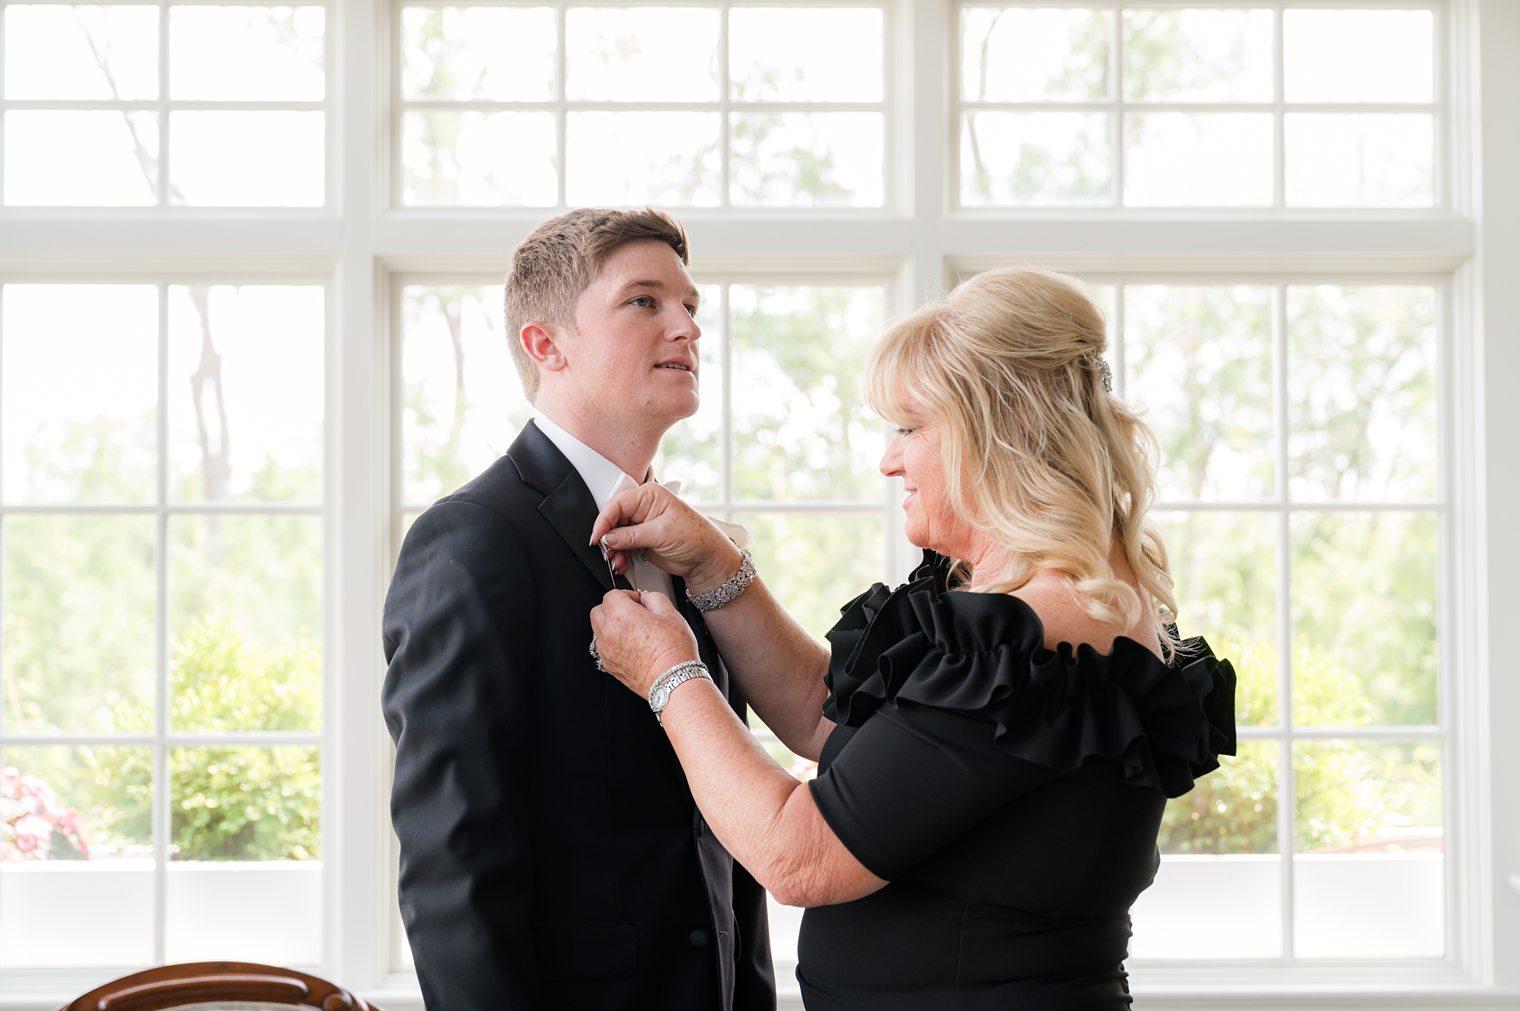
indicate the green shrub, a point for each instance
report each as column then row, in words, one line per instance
column 251, row 802
column 1346, row 789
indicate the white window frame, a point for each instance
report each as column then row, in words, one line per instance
column 562, row 107
column 160, row 740
column 1117, row 106
column 163, row 106
column 357, row 243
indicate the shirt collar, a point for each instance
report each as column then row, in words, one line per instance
column 603, row 478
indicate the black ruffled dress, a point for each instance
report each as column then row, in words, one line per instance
column 1011, row 796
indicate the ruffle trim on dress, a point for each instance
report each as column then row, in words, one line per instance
column 1165, row 725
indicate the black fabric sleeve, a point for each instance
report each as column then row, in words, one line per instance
column 913, row 779
column 459, row 634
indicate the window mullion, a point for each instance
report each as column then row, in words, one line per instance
column 3, row 107
column 2, row 491
column 561, row 93
column 1116, row 131
column 364, row 82
column 162, row 802
column 1279, row 130
column 1454, row 546
column 726, row 422
column 164, row 189
column 1286, row 789
column 726, row 101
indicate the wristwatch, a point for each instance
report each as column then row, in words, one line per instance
column 672, row 679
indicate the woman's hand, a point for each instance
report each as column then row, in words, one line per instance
column 671, row 534
column 640, row 636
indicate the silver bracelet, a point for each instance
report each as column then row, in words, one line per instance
column 728, row 591
column 659, row 692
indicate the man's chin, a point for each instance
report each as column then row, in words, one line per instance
column 682, row 411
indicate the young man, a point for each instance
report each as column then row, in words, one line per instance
column 551, row 855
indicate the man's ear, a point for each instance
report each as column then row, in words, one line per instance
column 541, row 341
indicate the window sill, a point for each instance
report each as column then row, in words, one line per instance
column 1156, row 990
column 1167, row 999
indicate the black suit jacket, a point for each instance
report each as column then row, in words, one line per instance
column 551, row 855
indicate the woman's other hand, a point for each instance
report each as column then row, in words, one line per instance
column 639, row 636
column 670, row 533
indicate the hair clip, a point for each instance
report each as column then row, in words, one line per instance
column 1106, row 372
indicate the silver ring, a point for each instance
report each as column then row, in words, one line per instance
column 595, row 656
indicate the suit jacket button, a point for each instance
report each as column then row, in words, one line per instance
column 699, row 938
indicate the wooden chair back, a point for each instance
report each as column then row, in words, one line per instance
column 195, row 983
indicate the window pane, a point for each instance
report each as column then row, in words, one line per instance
column 795, row 55
column 247, row 159
column 462, row 400
column 1362, row 402
column 259, row 807
column 641, row 54
column 1231, row 810
column 479, row 159
column 693, row 450
column 1199, row 360
column 1371, row 160
column 78, row 611
column 1367, row 877
column 1179, row 159
column 1224, row 567
column 76, row 864
column 230, row 349
column 501, row 54
column 246, row 53
column 786, row 547
column 1181, row 915
column 1358, row 55
column 81, row 52
column 245, row 620
column 1364, row 619
column 79, row 391
column 1034, row 55
column 801, row 426
column 1036, row 158
column 1219, row 839
column 627, row 158
column 82, row 159
column 1198, row 55
column 798, row 159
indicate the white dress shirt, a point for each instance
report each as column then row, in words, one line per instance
column 604, row 479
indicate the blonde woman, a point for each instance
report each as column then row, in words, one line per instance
column 996, row 738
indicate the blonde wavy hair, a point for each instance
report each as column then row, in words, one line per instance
column 1036, row 452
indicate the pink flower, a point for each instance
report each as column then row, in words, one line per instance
column 32, row 820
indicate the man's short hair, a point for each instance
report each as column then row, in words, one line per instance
column 559, row 260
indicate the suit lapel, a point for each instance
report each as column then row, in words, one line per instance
column 571, row 512
column 567, row 504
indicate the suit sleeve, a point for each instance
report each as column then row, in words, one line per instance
column 459, row 637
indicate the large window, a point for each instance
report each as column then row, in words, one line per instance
column 695, row 105
column 1302, row 505
column 1261, row 105
column 178, row 105
column 161, row 598
column 250, row 326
